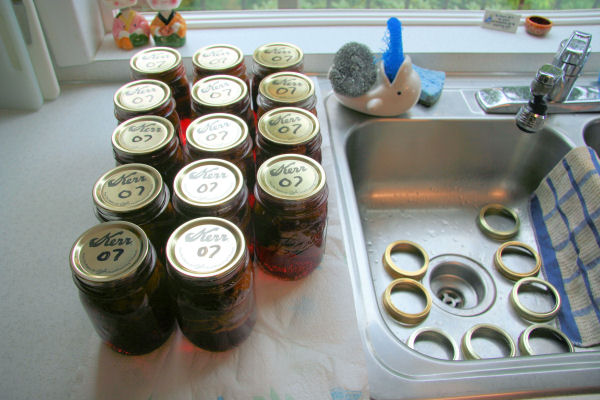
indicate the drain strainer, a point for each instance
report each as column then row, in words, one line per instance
column 460, row 285
column 451, row 297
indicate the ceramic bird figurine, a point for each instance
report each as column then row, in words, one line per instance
column 130, row 29
column 387, row 88
column 168, row 27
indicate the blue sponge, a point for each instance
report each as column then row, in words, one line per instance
column 432, row 83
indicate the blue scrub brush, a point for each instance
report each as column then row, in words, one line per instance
column 432, row 82
column 393, row 56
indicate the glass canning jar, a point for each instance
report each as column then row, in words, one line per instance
column 271, row 58
column 212, row 188
column 123, row 287
column 146, row 97
column 136, row 193
column 289, row 216
column 211, row 280
column 151, row 140
column 286, row 89
column 166, row 65
column 222, row 136
column 223, row 94
column 219, row 59
column 288, row 130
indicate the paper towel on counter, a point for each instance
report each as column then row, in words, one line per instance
column 305, row 344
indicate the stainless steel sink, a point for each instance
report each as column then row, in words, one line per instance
column 424, row 177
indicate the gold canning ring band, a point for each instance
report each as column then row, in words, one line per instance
column 399, row 315
column 439, row 335
column 491, row 331
column 527, row 313
column 497, row 209
column 525, row 346
column 507, row 272
column 409, row 247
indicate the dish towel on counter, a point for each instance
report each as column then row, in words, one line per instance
column 565, row 210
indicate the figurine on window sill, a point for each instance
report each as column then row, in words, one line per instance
column 168, row 27
column 129, row 29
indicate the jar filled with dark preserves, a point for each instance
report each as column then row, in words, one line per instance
column 151, row 140
column 222, row 136
column 272, row 58
column 289, row 216
column 219, row 59
column 212, row 188
column 288, row 130
column 286, row 89
column 164, row 64
column 137, row 193
column 123, row 287
column 223, row 94
column 211, row 281
column 146, row 97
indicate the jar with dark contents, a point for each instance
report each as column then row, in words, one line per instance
column 151, row 140
column 212, row 188
column 289, row 216
column 123, row 287
column 137, row 193
column 219, row 59
column 286, row 89
column 288, row 130
column 211, row 280
column 223, row 94
column 222, row 136
column 272, row 58
column 146, row 97
column 164, row 64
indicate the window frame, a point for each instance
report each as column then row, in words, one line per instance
column 452, row 41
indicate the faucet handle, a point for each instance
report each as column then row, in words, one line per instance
column 575, row 50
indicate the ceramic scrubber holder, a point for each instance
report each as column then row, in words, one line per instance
column 385, row 99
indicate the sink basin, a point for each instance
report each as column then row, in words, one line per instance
column 591, row 134
column 424, row 178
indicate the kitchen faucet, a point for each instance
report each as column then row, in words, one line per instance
column 552, row 91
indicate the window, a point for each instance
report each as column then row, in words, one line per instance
column 218, row 5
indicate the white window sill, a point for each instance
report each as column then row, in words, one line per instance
column 453, row 41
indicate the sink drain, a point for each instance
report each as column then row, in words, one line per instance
column 460, row 285
column 451, row 297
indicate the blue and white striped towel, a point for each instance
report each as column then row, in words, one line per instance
column 565, row 210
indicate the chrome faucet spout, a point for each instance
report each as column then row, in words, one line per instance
column 552, row 91
column 531, row 116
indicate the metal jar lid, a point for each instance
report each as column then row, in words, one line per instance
column 218, row 57
column 208, row 183
column 291, row 177
column 108, row 253
column 142, row 95
column 128, row 188
column 219, row 90
column 278, row 55
column 287, row 87
column 216, row 132
column 155, row 60
column 143, row 135
column 288, row 126
column 206, row 249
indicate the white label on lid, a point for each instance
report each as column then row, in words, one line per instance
column 206, row 249
column 217, row 133
column 209, row 183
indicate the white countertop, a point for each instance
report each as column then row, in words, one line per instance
column 305, row 344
